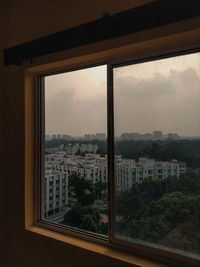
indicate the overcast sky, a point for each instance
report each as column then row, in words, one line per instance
column 76, row 102
column 160, row 95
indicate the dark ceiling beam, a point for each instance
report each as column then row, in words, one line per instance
column 137, row 19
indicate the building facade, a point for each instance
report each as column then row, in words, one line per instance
column 128, row 172
column 56, row 192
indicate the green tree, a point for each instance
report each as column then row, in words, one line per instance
column 99, row 188
column 81, row 189
column 87, row 218
column 82, row 214
column 165, row 212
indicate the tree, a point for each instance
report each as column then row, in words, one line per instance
column 82, row 214
column 83, row 217
column 165, row 212
column 82, row 190
column 99, row 188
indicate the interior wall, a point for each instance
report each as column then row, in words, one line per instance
column 21, row 21
column 2, row 134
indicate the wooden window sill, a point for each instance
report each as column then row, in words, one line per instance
column 96, row 248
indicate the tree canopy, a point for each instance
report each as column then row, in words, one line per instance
column 83, row 214
column 165, row 212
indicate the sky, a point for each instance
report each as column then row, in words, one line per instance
column 158, row 95
column 75, row 102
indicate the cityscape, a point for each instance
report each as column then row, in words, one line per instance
column 151, row 176
column 155, row 135
column 156, row 152
column 85, row 160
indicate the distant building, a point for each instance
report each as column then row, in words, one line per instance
column 73, row 149
column 88, row 148
column 47, row 137
column 130, row 136
column 89, row 137
column 66, row 137
column 173, row 136
column 97, row 136
column 100, row 136
column 157, row 135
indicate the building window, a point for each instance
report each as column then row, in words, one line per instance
column 152, row 101
column 75, row 128
column 153, row 129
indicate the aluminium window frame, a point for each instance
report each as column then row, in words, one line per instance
column 145, row 246
column 153, row 250
column 40, row 136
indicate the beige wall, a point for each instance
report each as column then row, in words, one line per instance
column 24, row 20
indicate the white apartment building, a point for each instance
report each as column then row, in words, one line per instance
column 88, row 148
column 60, row 166
column 56, row 191
column 73, row 149
column 129, row 172
column 91, row 166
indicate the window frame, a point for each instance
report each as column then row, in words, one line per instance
column 138, row 248
column 139, row 244
column 41, row 153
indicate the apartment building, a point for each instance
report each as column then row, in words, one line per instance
column 56, row 191
column 128, row 171
column 91, row 166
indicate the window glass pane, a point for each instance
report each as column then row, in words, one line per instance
column 157, row 153
column 75, row 149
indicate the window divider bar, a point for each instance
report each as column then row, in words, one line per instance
column 110, row 152
column 41, row 148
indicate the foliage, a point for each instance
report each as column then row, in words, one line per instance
column 83, row 217
column 82, row 214
column 165, row 212
column 82, row 189
column 165, row 150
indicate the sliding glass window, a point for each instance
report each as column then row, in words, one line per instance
column 142, row 186
column 75, row 185
column 157, row 153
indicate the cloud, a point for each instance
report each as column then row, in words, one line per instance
column 65, row 113
column 167, row 102
column 142, row 88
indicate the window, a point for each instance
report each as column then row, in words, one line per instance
column 75, row 129
column 153, row 134
column 152, row 101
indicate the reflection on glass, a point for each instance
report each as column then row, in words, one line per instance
column 75, row 149
column 157, row 145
